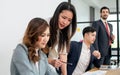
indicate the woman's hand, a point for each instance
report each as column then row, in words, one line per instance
column 63, row 58
column 57, row 63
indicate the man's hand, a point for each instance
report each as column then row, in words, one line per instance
column 97, row 54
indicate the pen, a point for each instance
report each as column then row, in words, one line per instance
column 67, row 63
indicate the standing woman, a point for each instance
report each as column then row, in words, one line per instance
column 62, row 28
column 28, row 57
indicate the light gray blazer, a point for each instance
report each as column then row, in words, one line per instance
column 21, row 65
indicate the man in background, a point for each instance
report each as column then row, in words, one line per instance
column 104, row 36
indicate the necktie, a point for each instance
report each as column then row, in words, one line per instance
column 108, row 32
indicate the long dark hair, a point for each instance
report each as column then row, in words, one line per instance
column 66, row 33
column 35, row 28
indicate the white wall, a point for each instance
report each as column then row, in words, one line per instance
column 14, row 17
column 83, row 14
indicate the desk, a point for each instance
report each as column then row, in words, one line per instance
column 109, row 72
column 113, row 72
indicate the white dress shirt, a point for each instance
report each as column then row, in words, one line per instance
column 83, row 61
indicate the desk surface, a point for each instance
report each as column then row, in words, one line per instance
column 110, row 71
column 113, row 72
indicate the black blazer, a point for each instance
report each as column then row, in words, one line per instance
column 74, row 55
column 102, row 40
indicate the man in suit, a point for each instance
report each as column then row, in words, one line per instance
column 82, row 55
column 104, row 36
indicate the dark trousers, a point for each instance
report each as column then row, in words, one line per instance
column 105, row 60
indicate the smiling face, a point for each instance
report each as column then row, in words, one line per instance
column 65, row 19
column 104, row 14
column 43, row 39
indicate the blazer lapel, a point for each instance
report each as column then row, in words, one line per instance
column 79, row 49
column 91, row 51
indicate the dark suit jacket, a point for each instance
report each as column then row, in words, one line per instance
column 74, row 55
column 102, row 40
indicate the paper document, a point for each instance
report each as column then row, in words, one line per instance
column 98, row 72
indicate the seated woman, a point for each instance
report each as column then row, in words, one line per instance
column 28, row 57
